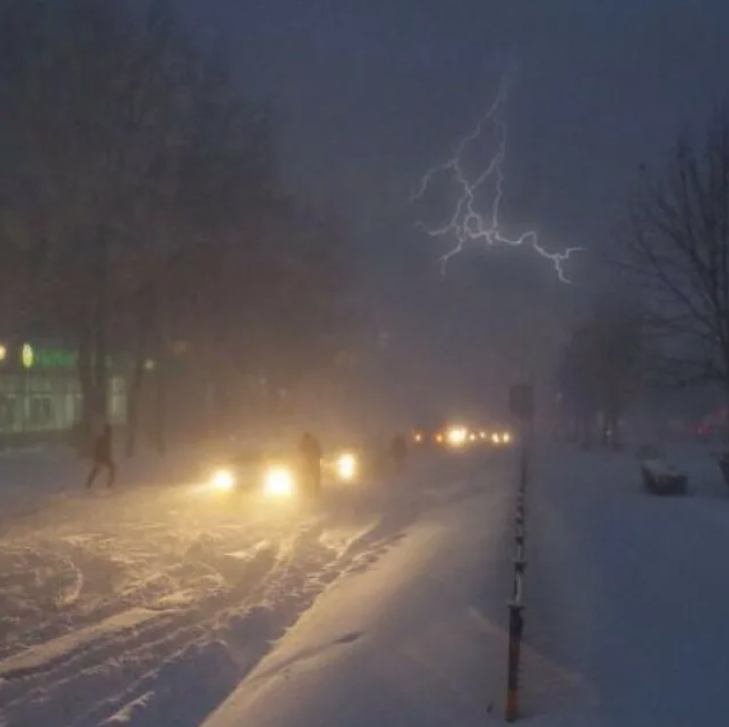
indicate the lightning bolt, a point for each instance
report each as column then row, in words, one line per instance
column 466, row 224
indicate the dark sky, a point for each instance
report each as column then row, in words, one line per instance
column 369, row 93
column 376, row 88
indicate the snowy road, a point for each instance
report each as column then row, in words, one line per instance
column 417, row 640
column 148, row 605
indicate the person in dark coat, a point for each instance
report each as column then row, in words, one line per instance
column 398, row 450
column 310, row 454
column 102, row 458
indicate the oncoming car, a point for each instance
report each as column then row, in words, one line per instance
column 277, row 474
column 272, row 474
column 343, row 466
column 456, row 437
column 500, row 438
column 427, row 437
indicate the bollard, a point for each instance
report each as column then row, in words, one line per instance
column 516, row 627
column 516, row 607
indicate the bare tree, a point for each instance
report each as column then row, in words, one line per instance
column 151, row 216
column 618, row 333
column 675, row 248
column 101, row 105
column 599, row 371
column 80, row 84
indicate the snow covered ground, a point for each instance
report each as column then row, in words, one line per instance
column 384, row 606
column 148, row 604
column 627, row 593
column 626, row 617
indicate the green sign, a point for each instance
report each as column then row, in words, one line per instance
column 55, row 358
column 47, row 358
column 30, row 356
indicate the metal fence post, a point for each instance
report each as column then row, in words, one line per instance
column 522, row 406
column 516, row 606
column 516, row 628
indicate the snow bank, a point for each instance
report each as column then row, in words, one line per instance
column 419, row 639
column 624, row 595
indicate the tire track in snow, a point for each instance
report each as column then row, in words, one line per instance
column 115, row 659
column 201, row 641
column 224, row 645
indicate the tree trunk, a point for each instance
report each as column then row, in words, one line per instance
column 133, row 406
column 160, row 407
column 146, row 322
column 86, row 382
column 100, row 328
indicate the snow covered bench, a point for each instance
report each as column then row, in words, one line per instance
column 661, row 478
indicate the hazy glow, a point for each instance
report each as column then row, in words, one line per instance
column 279, row 481
column 457, row 436
column 222, row 480
column 347, row 466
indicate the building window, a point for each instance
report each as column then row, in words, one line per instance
column 41, row 413
column 7, row 413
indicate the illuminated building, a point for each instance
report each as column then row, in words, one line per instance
column 40, row 390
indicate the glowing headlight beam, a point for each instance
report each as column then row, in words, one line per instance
column 222, row 480
column 466, row 224
column 457, row 436
column 278, row 481
column 347, row 466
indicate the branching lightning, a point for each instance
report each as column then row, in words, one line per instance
column 466, row 224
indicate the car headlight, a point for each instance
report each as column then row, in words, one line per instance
column 506, row 437
column 222, row 480
column 457, row 436
column 496, row 438
column 347, row 466
column 278, row 481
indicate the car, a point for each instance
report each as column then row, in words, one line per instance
column 500, row 437
column 276, row 472
column 343, row 465
column 458, row 437
column 263, row 471
column 427, row 437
